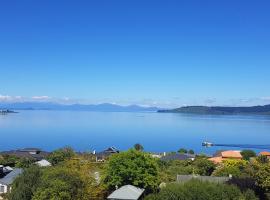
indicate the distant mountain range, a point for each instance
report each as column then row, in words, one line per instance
column 106, row 107
column 219, row 110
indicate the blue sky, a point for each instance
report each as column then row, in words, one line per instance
column 165, row 53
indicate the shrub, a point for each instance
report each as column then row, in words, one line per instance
column 197, row 190
column 131, row 167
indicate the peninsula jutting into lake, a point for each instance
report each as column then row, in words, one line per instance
column 4, row 112
column 219, row 110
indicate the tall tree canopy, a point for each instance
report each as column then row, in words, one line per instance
column 132, row 167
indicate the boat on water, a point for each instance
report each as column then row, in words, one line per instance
column 207, row 144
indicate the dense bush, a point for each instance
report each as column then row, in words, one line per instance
column 26, row 184
column 200, row 166
column 236, row 168
column 247, row 154
column 132, row 167
column 196, row 190
column 72, row 179
column 61, row 155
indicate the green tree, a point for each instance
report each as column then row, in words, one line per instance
column 191, row 151
column 59, row 183
column 263, row 176
column 132, row 167
column 9, row 160
column 197, row 190
column 138, row 147
column 92, row 187
column 262, row 159
column 236, row 168
column 61, row 155
column 182, row 150
column 247, row 154
column 26, row 184
column 25, row 162
column 203, row 166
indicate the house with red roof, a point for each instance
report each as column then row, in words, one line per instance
column 265, row 153
column 219, row 156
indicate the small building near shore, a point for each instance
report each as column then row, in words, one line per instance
column 127, row 192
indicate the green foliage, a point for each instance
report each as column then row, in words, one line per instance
column 9, row 160
column 262, row 159
column 203, row 166
column 61, row 155
column 71, row 179
column 236, row 168
column 191, row 151
column 59, row 183
column 138, row 147
column 26, row 184
column 182, row 150
column 263, row 176
column 25, row 162
column 196, row 190
column 247, row 154
column 169, row 170
column 200, row 166
column 132, row 167
column 92, row 188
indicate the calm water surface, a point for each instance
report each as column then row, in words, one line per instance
column 88, row 131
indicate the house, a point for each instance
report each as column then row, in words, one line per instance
column 213, row 179
column 43, row 163
column 102, row 156
column 177, row 156
column 30, row 153
column 127, row 192
column 265, row 153
column 7, row 180
column 219, row 156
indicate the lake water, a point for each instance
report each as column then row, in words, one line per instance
column 88, row 131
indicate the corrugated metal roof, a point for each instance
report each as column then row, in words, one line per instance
column 127, row 192
column 9, row 178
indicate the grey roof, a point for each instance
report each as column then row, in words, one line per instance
column 107, row 152
column 25, row 154
column 215, row 179
column 9, row 178
column 127, row 192
column 177, row 156
column 30, row 149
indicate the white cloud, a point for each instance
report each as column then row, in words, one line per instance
column 265, row 98
column 40, row 97
column 5, row 98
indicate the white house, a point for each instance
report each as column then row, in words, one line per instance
column 7, row 180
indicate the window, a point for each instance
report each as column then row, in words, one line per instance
column 2, row 188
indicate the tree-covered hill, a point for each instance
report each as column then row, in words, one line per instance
column 219, row 110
